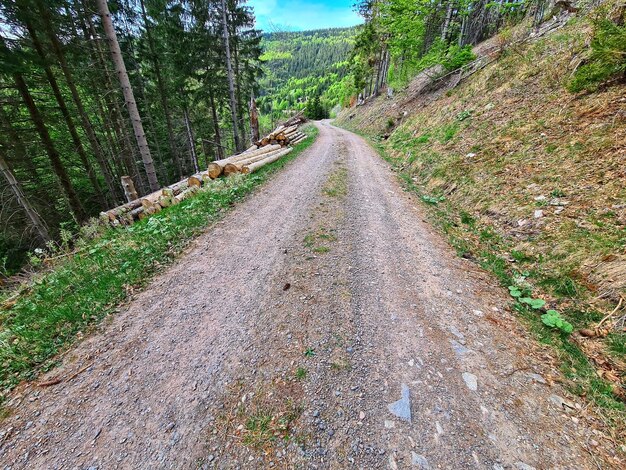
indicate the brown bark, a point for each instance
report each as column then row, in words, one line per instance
column 133, row 111
column 254, row 120
column 129, row 189
column 122, row 145
column 190, row 140
column 260, row 164
column 216, row 168
column 216, row 126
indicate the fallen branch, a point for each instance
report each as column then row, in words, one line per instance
column 619, row 305
column 58, row 380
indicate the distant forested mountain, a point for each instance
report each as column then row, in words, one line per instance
column 302, row 65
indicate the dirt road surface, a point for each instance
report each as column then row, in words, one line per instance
column 321, row 324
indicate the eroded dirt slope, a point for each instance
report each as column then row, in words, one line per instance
column 323, row 324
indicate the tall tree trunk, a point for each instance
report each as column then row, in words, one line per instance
column 141, row 92
column 446, row 23
column 254, row 121
column 216, row 126
column 462, row 31
column 231, row 79
column 379, row 70
column 135, row 118
column 78, row 145
column 53, row 155
column 190, row 140
column 123, row 143
column 16, row 189
column 162, row 94
column 240, row 104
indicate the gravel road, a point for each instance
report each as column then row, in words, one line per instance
column 322, row 324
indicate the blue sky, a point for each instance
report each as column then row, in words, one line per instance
column 299, row 15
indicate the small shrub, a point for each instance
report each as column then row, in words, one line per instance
column 607, row 58
column 457, row 57
column 553, row 319
column 533, row 303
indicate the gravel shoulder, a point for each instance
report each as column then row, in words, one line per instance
column 321, row 324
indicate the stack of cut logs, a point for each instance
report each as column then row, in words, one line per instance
column 269, row 149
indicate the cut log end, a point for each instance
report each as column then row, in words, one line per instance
column 214, row 170
column 230, row 169
column 194, row 181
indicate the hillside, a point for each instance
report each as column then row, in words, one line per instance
column 301, row 65
column 527, row 179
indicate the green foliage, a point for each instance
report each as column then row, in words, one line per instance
column 84, row 287
column 174, row 55
column 467, row 219
column 553, row 319
column 533, row 303
column 515, row 291
column 315, row 109
column 309, row 352
column 300, row 66
column 607, row 58
column 422, row 139
column 456, row 57
column 431, row 199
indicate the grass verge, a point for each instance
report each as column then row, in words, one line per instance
column 82, row 288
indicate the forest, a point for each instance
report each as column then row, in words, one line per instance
column 93, row 90
column 300, row 66
column 404, row 37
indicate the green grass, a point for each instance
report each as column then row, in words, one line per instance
column 311, row 239
column 267, row 426
column 85, row 287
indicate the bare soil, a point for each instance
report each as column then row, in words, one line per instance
column 285, row 332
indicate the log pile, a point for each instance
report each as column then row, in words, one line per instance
column 264, row 150
column 267, row 150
